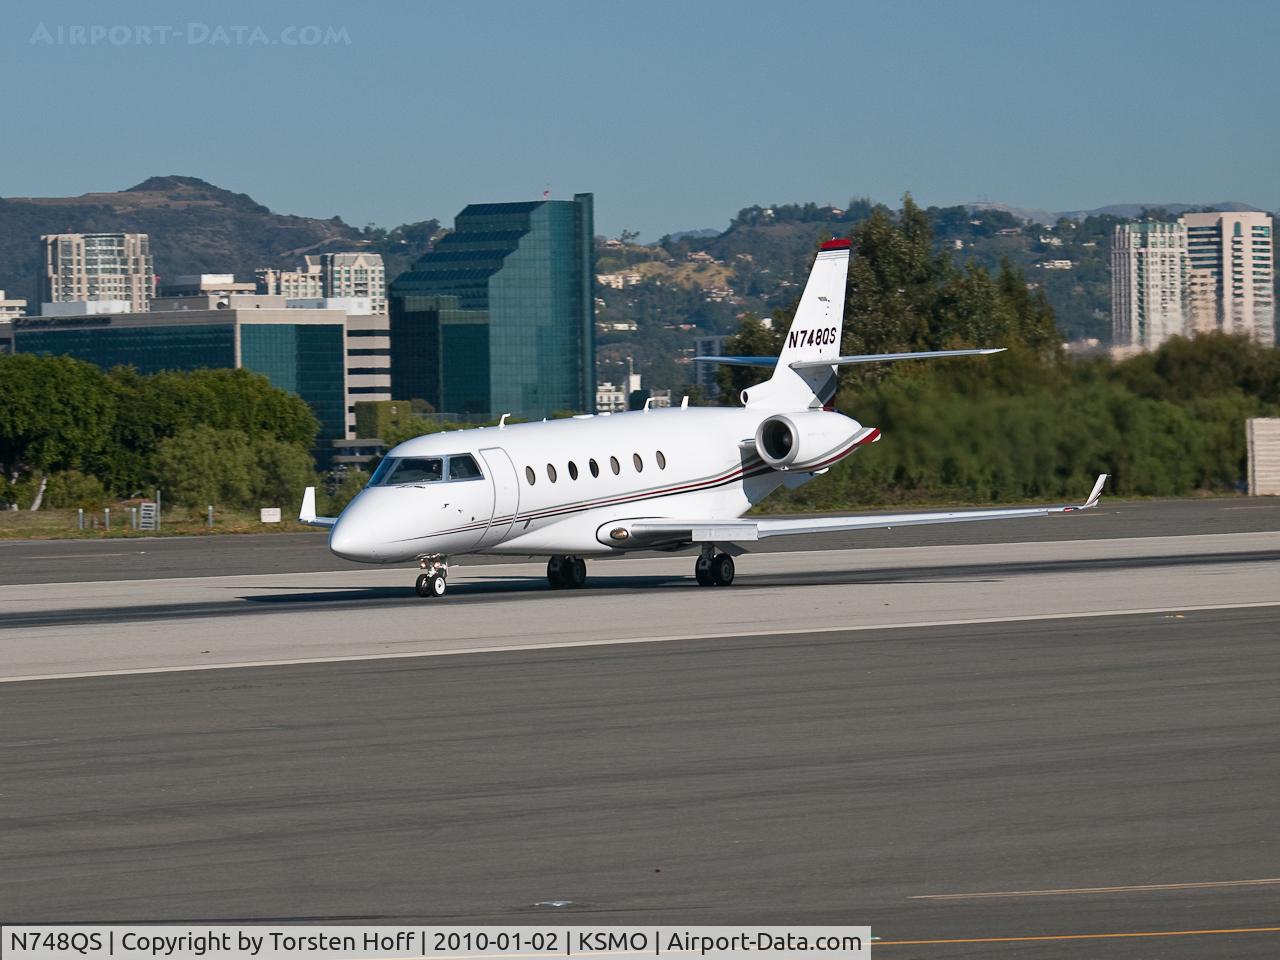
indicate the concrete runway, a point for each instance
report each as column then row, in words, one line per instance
column 43, row 561
column 970, row 741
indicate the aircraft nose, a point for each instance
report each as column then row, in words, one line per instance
column 349, row 541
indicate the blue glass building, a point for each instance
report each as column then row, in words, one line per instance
column 499, row 317
column 303, row 351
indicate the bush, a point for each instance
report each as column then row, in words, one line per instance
column 71, row 488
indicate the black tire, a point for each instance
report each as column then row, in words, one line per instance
column 575, row 573
column 722, row 570
column 555, row 572
column 431, row 585
column 702, row 572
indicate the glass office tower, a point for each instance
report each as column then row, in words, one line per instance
column 499, row 317
column 299, row 353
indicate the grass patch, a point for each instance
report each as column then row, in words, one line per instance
column 175, row 522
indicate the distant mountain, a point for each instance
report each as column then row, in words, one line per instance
column 1124, row 210
column 1129, row 210
column 703, row 234
column 194, row 226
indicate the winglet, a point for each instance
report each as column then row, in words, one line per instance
column 1093, row 495
column 307, row 514
column 1097, row 492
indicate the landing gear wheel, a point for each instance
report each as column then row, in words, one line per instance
column 431, row 585
column 566, row 572
column 722, row 570
column 702, row 572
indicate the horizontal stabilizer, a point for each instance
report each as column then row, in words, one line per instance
column 886, row 357
column 740, row 361
column 307, row 513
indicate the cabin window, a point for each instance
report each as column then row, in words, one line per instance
column 530, row 475
column 463, row 467
column 573, row 470
column 594, row 468
column 635, row 458
column 400, row 470
column 615, row 466
column 551, row 473
column 662, row 461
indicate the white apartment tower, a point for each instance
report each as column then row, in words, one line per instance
column 1149, row 270
column 1232, row 274
column 331, row 275
column 355, row 275
column 91, row 267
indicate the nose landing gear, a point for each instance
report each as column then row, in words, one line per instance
column 713, row 569
column 566, row 572
column 434, row 582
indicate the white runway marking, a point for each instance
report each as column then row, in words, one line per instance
column 616, row 641
column 1076, row 891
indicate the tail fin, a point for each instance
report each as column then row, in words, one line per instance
column 814, row 337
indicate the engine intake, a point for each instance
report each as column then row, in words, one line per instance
column 799, row 441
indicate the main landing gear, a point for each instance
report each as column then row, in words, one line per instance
column 713, row 569
column 435, row 580
column 566, row 572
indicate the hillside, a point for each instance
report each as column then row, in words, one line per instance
column 194, row 226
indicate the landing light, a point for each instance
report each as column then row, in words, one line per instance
column 619, row 533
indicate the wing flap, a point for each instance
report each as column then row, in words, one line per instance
column 746, row 531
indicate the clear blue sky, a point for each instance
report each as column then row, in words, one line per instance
column 675, row 114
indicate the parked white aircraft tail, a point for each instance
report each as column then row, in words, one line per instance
column 651, row 479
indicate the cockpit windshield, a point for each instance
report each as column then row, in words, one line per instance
column 398, row 470
column 394, row 471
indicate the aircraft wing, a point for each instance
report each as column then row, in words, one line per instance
column 307, row 514
column 746, row 530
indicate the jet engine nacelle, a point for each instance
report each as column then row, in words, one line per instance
column 805, row 441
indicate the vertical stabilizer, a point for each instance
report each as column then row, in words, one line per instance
column 814, row 336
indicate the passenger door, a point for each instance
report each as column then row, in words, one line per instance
column 506, row 494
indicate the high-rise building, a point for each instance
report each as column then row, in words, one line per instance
column 1232, row 274
column 368, row 362
column 355, row 275
column 303, row 283
column 11, row 308
column 96, row 267
column 499, row 317
column 341, row 275
column 1148, row 283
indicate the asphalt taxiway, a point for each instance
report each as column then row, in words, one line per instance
column 136, row 558
column 1044, row 748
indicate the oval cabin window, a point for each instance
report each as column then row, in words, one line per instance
column 662, row 461
column 635, row 458
column 530, row 475
column 615, row 466
column 594, row 468
column 551, row 473
column 573, row 470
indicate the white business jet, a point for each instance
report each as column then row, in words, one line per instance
column 650, row 479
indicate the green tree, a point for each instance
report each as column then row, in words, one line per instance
column 55, row 414
column 282, row 471
column 203, row 465
column 753, row 339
